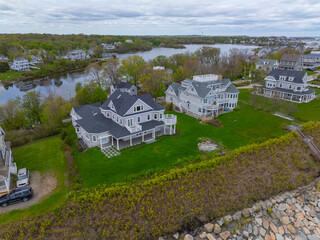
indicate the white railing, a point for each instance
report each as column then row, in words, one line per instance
column 135, row 128
column 170, row 119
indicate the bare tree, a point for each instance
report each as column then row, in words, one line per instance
column 111, row 70
column 94, row 70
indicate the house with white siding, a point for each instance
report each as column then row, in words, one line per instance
column 7, row 167
column 291, row 62
column 204, row 95
column 288, row 85
column 267, row 64
column 122, row 121
column 124, row 87
column 77, row 54
column 20, row 64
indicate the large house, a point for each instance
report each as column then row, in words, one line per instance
column 77, row 54
column 203, row 95
column 7, row 167
column 291, row 61
column 3, row 58
column 123, row 120
column 20, row 64
column 267, row 64
column 310, row 60
column 289, row 85
column 124, row 87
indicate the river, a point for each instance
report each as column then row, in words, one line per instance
column 64, row 84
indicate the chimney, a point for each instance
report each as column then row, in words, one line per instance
column 220, row 77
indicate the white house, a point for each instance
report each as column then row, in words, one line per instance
column 123, row 120
column 7, row 167
column 124, row 87
column 20, row 64
column 3, row 58
column 310, row 60
column 77, row 54
column 203, row 95
column 35, row 60
column 291, row 62
column 288, row 85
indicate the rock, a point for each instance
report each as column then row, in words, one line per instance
column 246, row 212
column 279, row 237
column 176, row 236
column 203, row 235
column 265, row 223
column 306, row 230
column 246, row 234
column 282, row 207
column 313, row 237
column 227, row 219
column 225, row 235
column 273, row 227
column 262, row 231
column 188, row 237
column 267, row 237
column 250, row 228
column 237, row 216
column 160, row 238
column 306, row 208
column 239, row 238
column 209, row 227
column 301, row 236
column 255, row 230
column 284, row 220
column 281, row 230
column 259, row 221
column 297, row 224
column 299, row 216
column 220, row 222
column 268, row 204
column 217, row 229
column 210, row 236
column 273, row 237
column 291, row 229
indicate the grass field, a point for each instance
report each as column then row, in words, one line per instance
column 303, row 111
column 44, row 156
column 240, row 128
column 10, row 75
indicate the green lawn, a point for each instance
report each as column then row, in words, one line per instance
column 303, row 111
column 239, row 128
column 44, row 156
column 10, row 75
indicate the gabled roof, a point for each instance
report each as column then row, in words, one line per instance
column 87, row 111
column 123, row 102
column 118, row 85
column 20, row 59
column 298, row 75
column 268, row 62
column 175, row 86
column 290, row 57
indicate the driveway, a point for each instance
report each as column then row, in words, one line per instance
column 42, row 187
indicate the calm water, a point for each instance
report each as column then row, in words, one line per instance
column 64, row 84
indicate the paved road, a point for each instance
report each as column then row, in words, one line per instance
column 42, row 186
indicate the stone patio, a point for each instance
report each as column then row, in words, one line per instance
column 110, row 152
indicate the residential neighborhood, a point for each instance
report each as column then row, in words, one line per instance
column 165, row 120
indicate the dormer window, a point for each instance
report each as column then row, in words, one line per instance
column 291, row 79
column 138, row 108
column 282, row 77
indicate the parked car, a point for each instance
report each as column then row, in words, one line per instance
column 22, row 194
column 311, row 69
column 23, row 177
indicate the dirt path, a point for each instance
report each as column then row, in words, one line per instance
column 42, row 186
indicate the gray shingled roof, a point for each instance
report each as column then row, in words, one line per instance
column 87, row 111
column 122, row 85
column 298, row 75
column 20, row 59
column 266, row 62
column 290, row 57
column 232, row 89
column 175, row 86
column 123, row 102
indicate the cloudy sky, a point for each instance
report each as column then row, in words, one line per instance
column 165, row 17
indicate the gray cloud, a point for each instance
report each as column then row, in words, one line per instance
column 260, row 17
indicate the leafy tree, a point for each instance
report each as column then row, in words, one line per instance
column 78, row 86
column 90, row 93
column 55, row 111
column 31, row 104
column 208, row 55
column 132, row 68
column 94, row 71
column 11, row 115
column 97, row 51
column 153, row 82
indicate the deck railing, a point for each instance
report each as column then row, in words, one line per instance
column 170, row 119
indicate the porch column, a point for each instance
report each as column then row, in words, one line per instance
column 112, row 140
column 130, row 140
column 154, row 133
column 174, row 129
column 100, row 143
column 142, row 136
column 118, row 144
column 291, row 97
